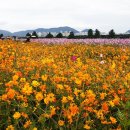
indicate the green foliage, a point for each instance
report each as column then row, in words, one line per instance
column 49, row 35
column 97, row 34
column 35, row 34
column 59, row 35
column 28, row 35
column 1, row 35
column 90, row 33
column 112, row 34
column 71, row 35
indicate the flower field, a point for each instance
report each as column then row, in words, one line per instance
column 70, row 86
column 82, row 41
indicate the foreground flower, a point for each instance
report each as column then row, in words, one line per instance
column 64, row 100
column 60, row 122
column 16, row 115
column 113, row 120
column 27, row 124
column 44, row 77
column 11, row 93
column 87, row 127
column 35, row 128
column 35, row 83
column 73, row 58
column 15, row 77
column 27, row 89
column 49, row 98
column 10, row 127
column 39, row 96
column 23, row 80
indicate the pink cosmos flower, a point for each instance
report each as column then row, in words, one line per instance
column 73, row 58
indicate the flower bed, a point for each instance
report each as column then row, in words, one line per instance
column 62, row 87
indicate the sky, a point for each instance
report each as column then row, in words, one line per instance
column 16, row 15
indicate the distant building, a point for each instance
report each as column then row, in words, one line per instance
column 81, row 33
column 39, row 34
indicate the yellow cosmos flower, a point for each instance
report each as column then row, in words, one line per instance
column 27, row 89
column 60, row 122
column 23, row 80
column 64, row 100
column 78, row 81
column 59, row 86
column 44, row 77
column 111, row 103
column 82, row 95
column 16, row 115
column 15, row 77
column 70, row 98
column 35, row 83
column 10, row 127
column 113, row 65
column 35, row 128
column 87, row 127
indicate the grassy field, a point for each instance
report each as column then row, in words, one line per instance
column 64, row 87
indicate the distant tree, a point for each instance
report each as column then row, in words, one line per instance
column 35, row 34
column 59, row 35
column 1, row 35
column 112, row 34
column 28, row 35
column 49, row 35
column 97, row 34
column 90, row 33
column 14, row 37
column 71, row 35
column 28, row 39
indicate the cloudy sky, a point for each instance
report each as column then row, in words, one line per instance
column 104, row 15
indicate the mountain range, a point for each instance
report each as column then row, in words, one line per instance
column 57, row 30
column 128, row 31
column 23, row 33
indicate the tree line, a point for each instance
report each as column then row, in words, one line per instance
column 91, row 34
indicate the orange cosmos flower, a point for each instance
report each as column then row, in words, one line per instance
column 24, row 115
column 105, row 107
column 11, row 93
column 43, row 88
column 27, row 124
column 49, row 98
column 102, row 95
column 113, row 120
column 4, row 97
column 73, row 109
column 39, row 96
column 52, row 110
column 105, row 87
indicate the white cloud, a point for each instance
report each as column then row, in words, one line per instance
column 29, row 14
